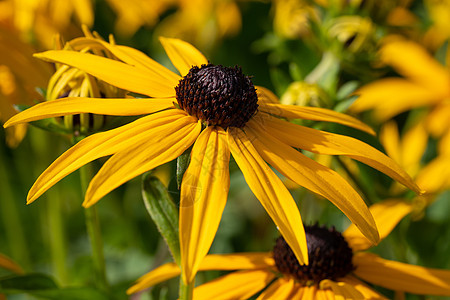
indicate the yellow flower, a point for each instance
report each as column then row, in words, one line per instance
column 292, row 18
column 218, row 111
column 20, row 74
column 338, row 268
column 41, row 19
column 407, row 151
column 426, row 83
column 203, row 22
column 72, row 82
column 439, row 31
column 133, row 14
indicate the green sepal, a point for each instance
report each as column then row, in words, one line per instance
column 43, row 286
column 163, row 212
column 182, row 165
column 52, row 125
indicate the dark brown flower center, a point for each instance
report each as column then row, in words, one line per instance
column 330, row 257
column 218, row 95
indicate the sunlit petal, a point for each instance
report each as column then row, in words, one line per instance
column 341, row 290
column 182, row 54
column 103, row 106
column 400, row 276
column 159, row 147
column 156, row 276
column 402, row 94
column 315, row 177
column 435, row 176
column 322, row 142
column 102, row 144
column 132, row 57
column 313, row 113
column 425, row 70
column 113, row 72
column 236, row 285
column 204, row 192
column 366, row 291
column 237, row 261
column 280, row 289
column 266, row 96
column 270, row 191
column 387, row 215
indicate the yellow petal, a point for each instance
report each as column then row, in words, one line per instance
column 413, row 61
column 102, row 144
column 116, row 73
column 159, row 147
column 280, row 289
column 400, row 276
column 387, row 215
column 366, row 291
column 315, row 114
column 341, row 290
column 315, row 177
column 236, row 285
column 101, row 106
column 391, row 96
column 390, row 139
column 156, row 276
column 415, row 142
column 310, row 293
column 437, row 121
column 322, row 142
column 9, row 264
column 204, row 192
column 270, row 191
column 237, row 261
column 266, row 96
column 182, row 54
column 435, row 176
column 132, row 57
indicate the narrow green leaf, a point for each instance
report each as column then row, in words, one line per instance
column 163, row 212
column 182, row 165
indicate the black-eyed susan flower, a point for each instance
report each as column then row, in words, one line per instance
column 338, row 268
column 426, row 83
column 218, row 111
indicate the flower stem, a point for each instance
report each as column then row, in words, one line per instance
column 58, row 246
column 186, row 290
column 93, row 230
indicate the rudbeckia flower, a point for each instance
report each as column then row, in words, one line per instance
column 218, row 111
column 426, row 83
column 338, row 268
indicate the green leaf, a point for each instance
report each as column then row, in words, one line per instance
column 28, row 282
column 163, row 212
column 41, row 285
column 182, row 165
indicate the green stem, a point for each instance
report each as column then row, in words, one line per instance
column 186, row 290
column 93, row 230
column 57, row 239
column 52, row 211
column 11, row 218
